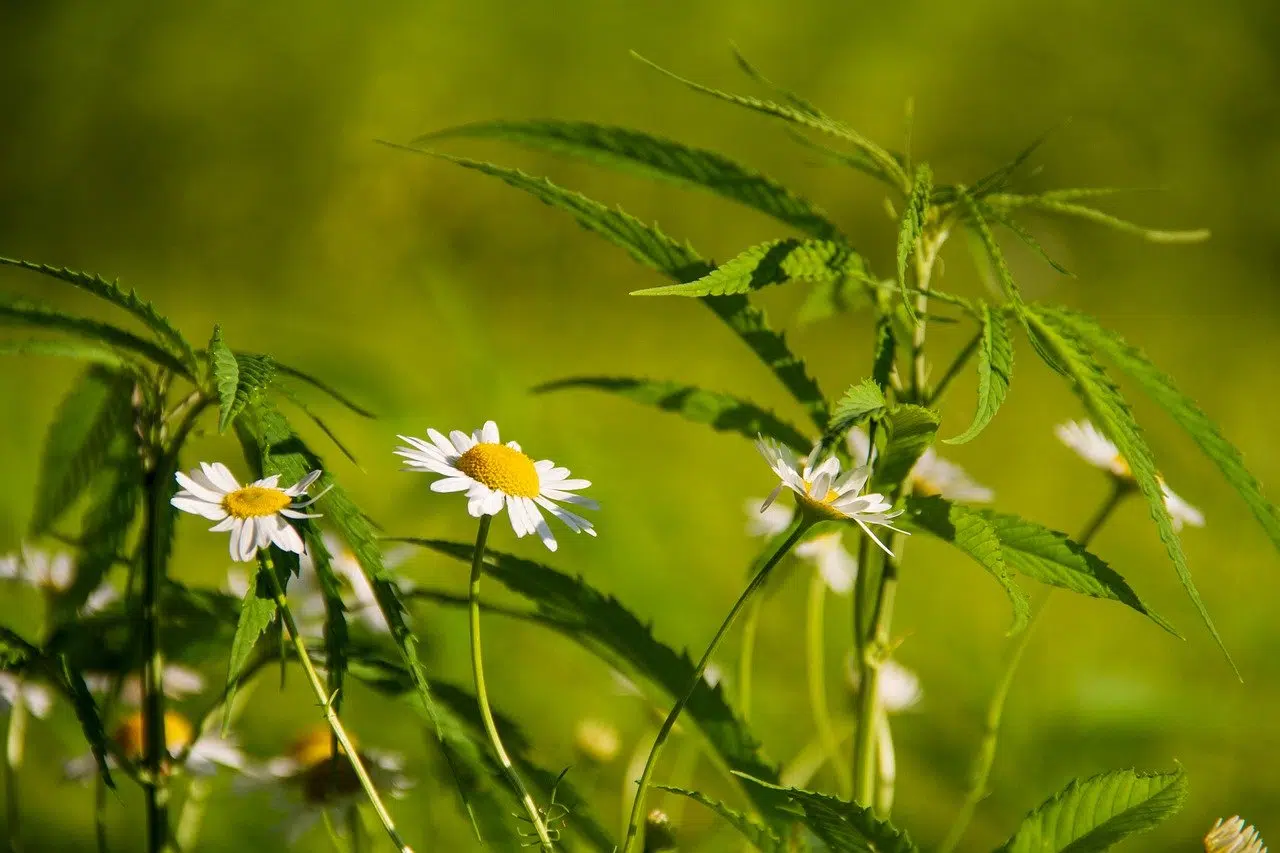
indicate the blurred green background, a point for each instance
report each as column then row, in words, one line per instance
column 221, row 158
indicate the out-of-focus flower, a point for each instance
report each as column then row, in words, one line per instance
column 203, row 757
column 40, row 569
column 826, row 550
column 931, row 475
column 180, row 682
column 1233, row 836
column 34, row 696
column 899, row 687
column 257, row 515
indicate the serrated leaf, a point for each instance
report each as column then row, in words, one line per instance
column 722, row 412
column 336, row 635
column 1022, row 234
column 1091, row 815
column 72, row 684
column 887, row 167
column 911, row 227
column 226, row 376
column 787, row 95
column 1161, row 388
column 977, row 223
column 861, row 402
column 969, row 531
column 1111, row 413
column 257, row 612
column 1047, row 203
column 63, row 349
column 760, row 836
column 20, row 313
column 995, row 369
column 654, row 157
column 172, row 339
column 844, row 827
column 911, row 430
column 608, row 629
column 774, row 262
column 253, row 374
column 316, row 419
column 318, row 384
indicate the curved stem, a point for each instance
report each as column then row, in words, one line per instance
column 482, row 693
column 986, row 755
column 637, row 806
column 326, row 702
column 15, row 741
column 746, row 656
column 816, row 675
column 874, row 654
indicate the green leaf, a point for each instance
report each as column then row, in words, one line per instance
column 1048, row 203
column 760, row 836
column 829, row 298
column 886, row 349
column 654, row 157
column 887, row 167
column 318, row 384
column 336, row 636
column 226, row 376
column 785, row 94
column 1159, row 385
column 288, row 394
column 19, row 313
column 63, row 349
column 844, row 827
column 911, row 227
column 605, row 627
column 911, row 429
column 995, row 368
column 257, row 612
column 165, row 331
column 678, row 261
column 1091, row 815
column 1111, row 413
column 861, row 402
column 722, row 412
column 977, row 223
column 71, row 682
column 774, row 262
column 999, row 179
column 252, row 375
column 1022, row 234
column 95, row 415
column 972, row 533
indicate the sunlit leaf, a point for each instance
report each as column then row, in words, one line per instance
column 844, row 827
column 861, row 402
column 911, row 227
column 911, row 430
column 757, row 834
column 775, row 262
column 1059, row 206
column 995, row 368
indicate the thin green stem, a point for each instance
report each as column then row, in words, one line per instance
column 986, row 755
column 816, row 675
column 957, row 366
column 482, row 692
column 15, row 742
column 155, row 753
column 875, row 652
column 317, row 686
column 746, row 656
column 636, row 821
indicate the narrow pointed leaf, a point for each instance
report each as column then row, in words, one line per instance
column 63, row 349
column 19, row 313
column 336, row 636
column 995, row 368
column 1049, row 204
column 1000, row 178
column 911, row 227
column 775, row 262
column 319, row 385
column 844, row 827
column 1092, row 815
column 87, row 714
column 978, row 224
column 757, row 834
column 886, row 350
column 787, row 95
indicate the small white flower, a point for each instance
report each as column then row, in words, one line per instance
column 35, row 697
column 257, row 514
column 931, row 475
column 494, row 475
column 203, row 757
column 899, row 687
column 1233, row 836
column 826, row 551
column 1099, row 451
column 823, row 491
column 180, row 682
column 40, row 569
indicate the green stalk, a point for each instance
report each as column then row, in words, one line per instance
column 874, row 655
column 482, row 692
column 816, row 675
column 326, row 702
column 155, row 751
column 636, row 821
column 986, row 755
column 13, row 755
column 747, row 655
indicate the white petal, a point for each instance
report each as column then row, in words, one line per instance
column 438, row 439
column 492, row 503
column 461, row 441
column 242, row 539
column 542, row 528
column 198, row 489
column 198, row 506
column 220, row 475
column 284, row 536
column 452, row 484
column 489, row 433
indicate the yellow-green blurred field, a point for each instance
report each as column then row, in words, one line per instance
column 221, row 158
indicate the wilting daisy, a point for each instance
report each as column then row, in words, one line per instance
column 1099, row 451
column 1233, row 836
column 180, row 682
column 130, row 739
column 826, row 551
column 931, row 475
column 311, row 783
column 257, row 514
column 823, row 491
column 494, row 475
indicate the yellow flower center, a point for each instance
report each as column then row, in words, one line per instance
column 322, row 780
column 130, row 736
column 502, row 468
column 255, row 501
column 315, row 747
column 820, row 510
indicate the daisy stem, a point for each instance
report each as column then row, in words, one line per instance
column 636, row 820
column 986, row 755
column 815, row 670
column 746, row 657
column 875, row 650
column 331, row 716
column 482, row 693
column 14, row 743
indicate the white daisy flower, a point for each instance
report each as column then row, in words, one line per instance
column 40, row 569
column 309, row 783
column 494, row 475
column 1233, row 836
column 202, row 757
column 899, row 687
column 826, row 551
column 257, row 514
column 823, row 491
column 931, row 475
column 180, row 682
column 35, row 697
column 597, row 741
column 1099, row 451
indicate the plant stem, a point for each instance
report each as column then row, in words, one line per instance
column 985, row 757
column 815, row 670
column 875, row 652
column 635, row 822
column 317, row 686
column 925, row 255
column 746, row 656
column 482, row 693
column 13, row 755
column 156, row 782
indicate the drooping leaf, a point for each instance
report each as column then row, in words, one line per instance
column 1068, row 353
column 1091, row 815
column 775, row 262
column 608, row 629
column 62, row 349
column 844, row 827
column 654, row 157
column 977, row 223
column 861, row 402
column 20, row 313
column 169, row 336
column 1047, row 203
column 911, row 430
column 969, row 531
column 722, row 412
column 760, row 836
column 911, row 227
column 1159, row 385
column 1021, row 232
column 995, row 368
